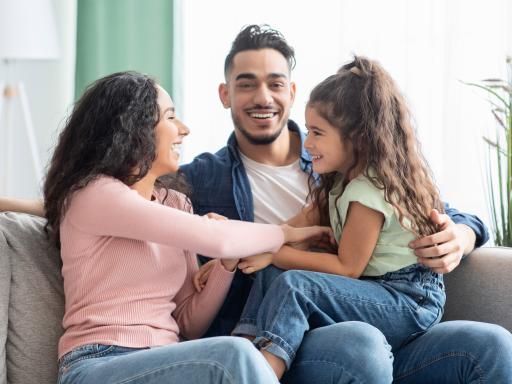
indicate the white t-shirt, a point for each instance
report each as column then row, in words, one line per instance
column 278, row 192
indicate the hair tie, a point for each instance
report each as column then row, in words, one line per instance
column 356, row 71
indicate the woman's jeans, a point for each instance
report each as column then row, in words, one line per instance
column 227, row 360
column 283, row 306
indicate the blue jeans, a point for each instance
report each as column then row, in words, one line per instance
column 283, row 306
column 227, row 360
column 466, row 352
column 453, row 352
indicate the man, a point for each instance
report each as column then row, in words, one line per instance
column 261, row 175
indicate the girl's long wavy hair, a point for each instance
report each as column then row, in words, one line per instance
column 111, row 131
column 363, row 102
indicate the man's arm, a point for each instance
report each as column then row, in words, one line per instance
column 33, row 207
column 459, row 233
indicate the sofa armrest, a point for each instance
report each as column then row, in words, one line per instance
column 480, row 288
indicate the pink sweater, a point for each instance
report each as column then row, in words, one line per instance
column 128, row 264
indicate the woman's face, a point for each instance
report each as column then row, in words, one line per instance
column 169, row 133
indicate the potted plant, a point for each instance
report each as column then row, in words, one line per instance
column 499, row 156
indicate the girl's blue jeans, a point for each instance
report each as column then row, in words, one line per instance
column 283, row 306
column 226, row 360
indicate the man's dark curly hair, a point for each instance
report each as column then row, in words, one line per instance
column 111, row 132
column 255, row 37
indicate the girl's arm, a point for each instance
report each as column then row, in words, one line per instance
column 32, row 207
column 358, row 239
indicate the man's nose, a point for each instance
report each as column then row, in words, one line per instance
column 263, row 96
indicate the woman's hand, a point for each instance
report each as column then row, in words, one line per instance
column 307, row 234
column 255, row 263
column 201, row 276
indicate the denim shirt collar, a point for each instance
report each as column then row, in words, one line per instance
column 305, row 158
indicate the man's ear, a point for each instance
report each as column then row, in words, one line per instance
column 293, row 89
column 224, row 95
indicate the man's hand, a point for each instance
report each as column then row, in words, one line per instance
column 255, row 263
column 443, row 250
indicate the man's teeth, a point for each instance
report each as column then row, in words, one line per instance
column 316, row 157
column 262, row 115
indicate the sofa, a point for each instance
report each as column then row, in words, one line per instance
column 32, row 300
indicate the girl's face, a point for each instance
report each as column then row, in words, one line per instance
column 169, row 133
column 329, row 152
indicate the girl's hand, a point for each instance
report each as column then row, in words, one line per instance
column 255, row 263
column 300, row 235
column 201, row 276
column 229, row 264
column 215, row 216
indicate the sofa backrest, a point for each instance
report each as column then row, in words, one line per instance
column 481, row 288
column 31, row 301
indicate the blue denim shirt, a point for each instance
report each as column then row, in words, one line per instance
column 220, row 184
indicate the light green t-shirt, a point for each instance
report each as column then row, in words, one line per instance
column 391, row 252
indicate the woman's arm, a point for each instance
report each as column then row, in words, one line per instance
column 196, row 310
column 32, row 207
column 107, row 207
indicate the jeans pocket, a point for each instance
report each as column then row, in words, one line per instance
column 84, row 352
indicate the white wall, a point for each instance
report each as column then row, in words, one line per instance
column 428, row 46
column 50, row 90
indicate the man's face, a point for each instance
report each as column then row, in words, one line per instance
column 259, row 93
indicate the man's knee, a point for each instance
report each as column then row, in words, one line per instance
column 349, row 351
column 367, row 347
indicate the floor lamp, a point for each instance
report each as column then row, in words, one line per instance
column 27, row 32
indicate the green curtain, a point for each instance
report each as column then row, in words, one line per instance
column 119, row 35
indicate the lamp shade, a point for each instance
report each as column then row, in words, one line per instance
column 27, row 30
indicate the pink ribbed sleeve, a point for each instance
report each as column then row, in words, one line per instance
column 121, row 212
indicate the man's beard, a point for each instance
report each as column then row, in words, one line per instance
column 257, row 140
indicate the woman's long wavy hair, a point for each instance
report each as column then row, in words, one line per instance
column 111, row 132
column 363, row 102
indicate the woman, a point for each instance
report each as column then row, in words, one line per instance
column 128, row 243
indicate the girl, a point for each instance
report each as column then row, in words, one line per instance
column 376, row 191
column 128, row 242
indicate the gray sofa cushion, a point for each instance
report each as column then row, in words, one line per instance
column 5, row 282
column 36, row 300
column 481, row 288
